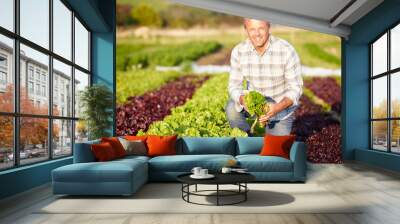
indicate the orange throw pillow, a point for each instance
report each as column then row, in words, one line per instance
column 116, row 145
column 103, row 151
column 277, row 145
column 161, row 145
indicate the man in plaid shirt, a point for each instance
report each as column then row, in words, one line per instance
column 270, row 66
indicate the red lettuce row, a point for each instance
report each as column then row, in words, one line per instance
column 140, row 111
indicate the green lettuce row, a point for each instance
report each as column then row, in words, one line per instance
column 139, row 81
column 202, row 116
column 164, row 55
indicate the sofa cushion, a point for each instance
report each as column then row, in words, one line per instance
column 277, row 145
column 206, row 145
column 133, row 158
column 257, row 163
column 161, row 145
column 111, row 171
column 103, row 151
column 249, row 145
column 134, row 147
column 83, row 152
column 185, row 163
column 116, row 145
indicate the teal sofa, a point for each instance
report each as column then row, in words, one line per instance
column 125, row 176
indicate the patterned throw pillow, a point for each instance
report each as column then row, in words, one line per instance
column 134, row 147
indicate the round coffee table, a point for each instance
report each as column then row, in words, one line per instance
column 238, row 179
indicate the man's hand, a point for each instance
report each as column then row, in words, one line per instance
column 273, row 110
column 276, row 108
column 241, row 101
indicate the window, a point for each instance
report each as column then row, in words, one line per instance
column 7, row 14
column 6, row 142
column 45, row 131
column 3, row 61
column 62, row 29
column 38, row 89
column 81, row 81
column 395, row 47
column 62, row 137
column 62, row 74
column 30, row 72
column 44, row 91
column 33, row 148
column 37, row 74
column 30, row 87
column 6, row 73
column 81, row 45
column 385, row 97
column 35, row 21
column 3, row 78
column 3, row 72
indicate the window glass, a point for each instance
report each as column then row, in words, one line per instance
column 379, row 55
column 6, row 74
column 81, row 45
column 81, row 82
column 33, row 140
column 6, row 142
column 395, row 47
column 379, row 135
column 395, row 136
column 7, row 14
column 34, row 21
column 39, row 62
column 62, row 91
column 62, row 29
column 81, row 131
column 62, row 138
column 395, row 95
column 379, row 97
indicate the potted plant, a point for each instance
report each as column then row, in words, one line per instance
column 96, row 103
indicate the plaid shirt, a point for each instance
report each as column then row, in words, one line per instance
column 276, row 73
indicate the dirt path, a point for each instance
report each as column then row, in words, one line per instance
column 221, row 57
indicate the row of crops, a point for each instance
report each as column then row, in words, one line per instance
column 142, row 56
column 168, row 103
column 194, row 106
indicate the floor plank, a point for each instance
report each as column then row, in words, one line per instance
column 377, row 190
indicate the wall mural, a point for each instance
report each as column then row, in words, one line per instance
column 175, row 75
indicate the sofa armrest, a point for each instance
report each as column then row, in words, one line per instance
column 299, row 158
column 83, row 152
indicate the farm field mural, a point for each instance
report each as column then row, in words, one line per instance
column 173, row 66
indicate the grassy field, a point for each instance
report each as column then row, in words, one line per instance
column 314, row 49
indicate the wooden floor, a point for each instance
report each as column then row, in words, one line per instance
column 377, row 188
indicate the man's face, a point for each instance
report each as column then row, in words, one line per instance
column 257, row 31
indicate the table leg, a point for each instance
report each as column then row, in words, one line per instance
column 196, row 188
column 245, row 193
column 217, row 194
column 188, row 190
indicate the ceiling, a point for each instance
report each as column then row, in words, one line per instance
column 325, row 16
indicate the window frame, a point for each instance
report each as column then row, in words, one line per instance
column 388, row 74
column 16, row 114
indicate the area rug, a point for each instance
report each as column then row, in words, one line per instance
column 167, row 198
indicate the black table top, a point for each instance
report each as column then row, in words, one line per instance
column 220, row 178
